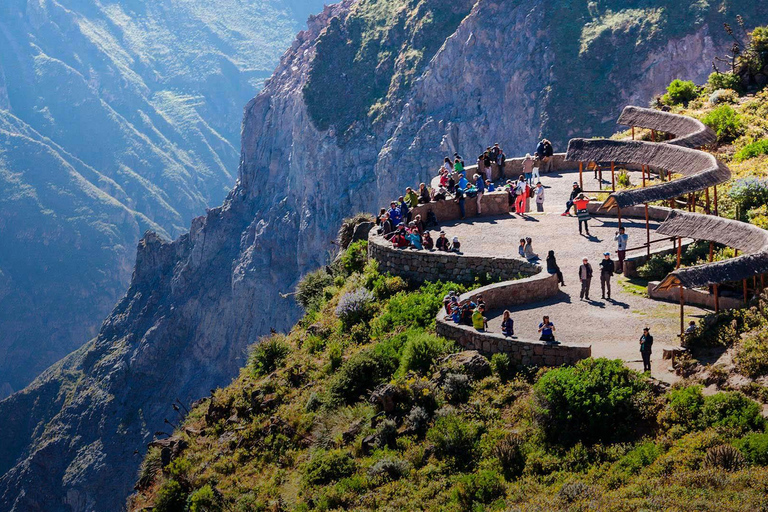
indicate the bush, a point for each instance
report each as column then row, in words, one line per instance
column 747, row 194
column 309, row 291
column 355, row 307
column 680, row 92
column 383, row 286
column 413, row 310
column 622, row 180
column 455, row 439
column 725, row 327
column 355, row 257
column 269, row 355
column 483, row 487
column 572, row 492
column 752, row 355
column 388, row 469
column 596, row 400
column 639, row 457
column 723, row 81
column 732, row 410
column 421, row 350
column 204, row 500
column 724, row 457
column 360, row 374
column 386, row 434
column 335, row 352
column 501, row 366
column 722, row 96
column 657, row 267
column 418, row 420
column 509, row 452
column 683, row 410
column 725, row 122
column 754, row 447
column 150, row 467
column 456, row 387
column 171, row 497
column 328, row 466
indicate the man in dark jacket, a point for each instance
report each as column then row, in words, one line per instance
column 442, row 243
column 574, row 194
column 386, row 228
column 606, row 272
column 646, row 344
column 585, row 276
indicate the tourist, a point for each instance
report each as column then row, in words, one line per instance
column 414, row 237
column 500, row 161
column 459, row 198
column 528, row 166
column 528, row 250
column 458, row 166
column 480, row 185
column 487, row 163
column 456, row 245
column 399, row 240
column 509, row 187
column 448, row 301
column 606, row 272
column 380, row 217
column 444, row 177
column 494, row 152
column 691, row 329
column 545, row 152
column 427, row 241
column 411, row 198
column 447, row 166
column 439, row 194
column 405, row 211
column 489, row 186
column 419, row 224
column 442, row 243
column 585, row 276
column 646, row 346
column 520, row 190
column 547, row 330
column 387, row 228
column 535, row 174
column 463, row 183
column 395, row 215
column 479, row 322
column 424, row 196
column 528, row 196
column 507, row 324
column 574, row 194
column 553, row 268
column 521, row 248
column 582, row 213
column 621, row 239
column 539, row 194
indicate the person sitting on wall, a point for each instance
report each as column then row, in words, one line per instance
column 553, row 268
column 547, row 330
column 528, row 250
column 458, row 166
column 414, row 237
column 489, row 186
column 411, row 198
column 405, row 211
column 467, row 309
column 419, row 223
column 456, row 245
column 424, row 196
column 386, row 228
column 521, row 248
column 427, row 241
column 399, row 239
column 479, row 322
column 380, row 217
column 442, row 243
column 576, row 192
column 440, row 194
column 395, row 215
column 456, row 312
column 447, row 302
column 447, row 167
column 507, row 324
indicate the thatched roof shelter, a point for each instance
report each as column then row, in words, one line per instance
column 688, row 132
column 747, row 238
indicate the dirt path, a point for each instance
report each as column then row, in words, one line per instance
column 613, row 327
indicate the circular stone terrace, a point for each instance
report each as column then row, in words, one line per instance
column 612, row 327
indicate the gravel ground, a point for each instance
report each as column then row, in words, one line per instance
column 613, row 327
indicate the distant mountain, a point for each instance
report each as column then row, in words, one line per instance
column 116, row 116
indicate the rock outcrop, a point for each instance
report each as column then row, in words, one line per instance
column 74, row 438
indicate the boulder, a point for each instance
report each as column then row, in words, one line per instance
column 470, row 362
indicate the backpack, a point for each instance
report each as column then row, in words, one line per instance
column 528, row 191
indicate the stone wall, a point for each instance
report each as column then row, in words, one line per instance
column 420, row 266
column 494, row 203
column 691, row 297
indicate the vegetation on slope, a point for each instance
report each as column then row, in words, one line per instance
column 358, row 408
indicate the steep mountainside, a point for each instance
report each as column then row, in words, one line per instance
column 115, row 117
column 464, row 75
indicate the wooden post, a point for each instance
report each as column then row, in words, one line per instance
column 633, row 133
column 679, row 251
column 613, row 176
column 715, row 191
column 642, row 170
column 682, row 311
column 706, row 195
column 711, row 251
column 581, row 175
column 647, row 233
column 653, row 135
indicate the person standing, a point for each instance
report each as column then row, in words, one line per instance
column 606, row 272
column 646, row 346
column 582, row 213
column 528, row 167
column 547, row 330
column 480, row 184
column 521, row 192
column 500, row 160
column 574, row 194
column 585, row 276
column 539, row 193
column 549, row 154
column 621, row 239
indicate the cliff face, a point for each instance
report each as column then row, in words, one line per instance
column 194, row 304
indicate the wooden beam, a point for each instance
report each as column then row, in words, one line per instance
column 682, row 311
column 613, row 176
column 679, row 251
column 642, row 170
column 581, row 175
column 715, row 192
column 633, row 133
column 706, row 195
column 647, row 232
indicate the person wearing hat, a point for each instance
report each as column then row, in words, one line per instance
column 456, row 246
column 574, row 194
column 585, row 276
column 442, row 243
column 427, row 241
column 539, row 193
column 528, row 167
column 646, row 345
column 606, row 272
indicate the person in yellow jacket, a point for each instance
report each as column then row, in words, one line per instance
column 479, row 322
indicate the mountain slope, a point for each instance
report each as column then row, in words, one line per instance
column 147, row 98
column 196, row 303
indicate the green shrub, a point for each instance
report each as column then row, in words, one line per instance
column 383, row 286
column 639, row 457
column 596, row 400
column 723, row 81
column 456, row 387
column 355, row 307
column 309, row 291
column 328, row 466
column 725, row 122
column 683, row 409
column 510, row 454
column 754, row 447
column 732, row 410
column 150, row 467
column 355, row 257
column 752, row 150
column 680, row 92
column 388, row 469
column 335, row 353
column 501, row 366
column 455, row 439
column 752, row 355
column 657, row 267
column 622, row 180
column 747, row 194
column 724, row 457
column 171, row 497
column 725, row 327
column 415, row 309
column 204, row 500
column 269, row 355
column 360, row 374
column 758, row 216
column 483, row 487
column 421, row 350
column 721, row 96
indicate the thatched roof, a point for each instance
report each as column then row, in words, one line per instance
column 688, row 132
column 700, row 170
column 749, row 239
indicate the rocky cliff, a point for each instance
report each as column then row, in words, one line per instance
column 460, row 76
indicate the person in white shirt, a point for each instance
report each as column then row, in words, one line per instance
column 539, row 197
column 621, row 239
